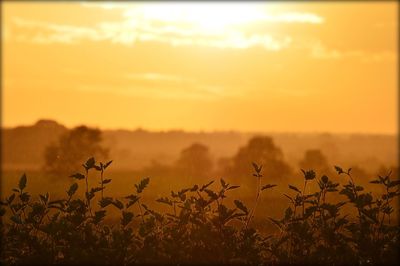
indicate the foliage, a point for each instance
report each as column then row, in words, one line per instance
column 200, row 225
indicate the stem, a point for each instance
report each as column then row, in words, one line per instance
column 304, row 189
column 140, row 208
column 256, row 201
column 102, row 186
column 87, row 192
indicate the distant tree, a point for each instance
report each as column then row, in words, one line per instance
column 263, row 151
column 315, row 160
column 73, row 148
column 195, row 162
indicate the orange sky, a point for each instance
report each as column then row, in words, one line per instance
column 202, row 66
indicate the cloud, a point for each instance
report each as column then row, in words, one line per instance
column 218, row 25
column 164, row 86
column 176, row 86
column 319, row 51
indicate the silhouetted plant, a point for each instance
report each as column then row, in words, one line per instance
column 200, row 226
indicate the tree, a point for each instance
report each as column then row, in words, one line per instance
column 315, row 160
column 73, row 148
column 195, row 162
column 263, row 151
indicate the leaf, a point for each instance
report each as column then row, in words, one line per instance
column 22, row 182
column 288, row 213
column 118, row 204
column 233, row 187
column 104, row 202
column 78, row 176
column 394, row 183
column 90, row 163
column 132, row 197
column 211, row 194
column 142, row 185
column 375, row 182
column 308, row 175
column 25, row 197
column 96, row 189
column 98, row 216
column 348, row 171
column 324, row 179
column 106, row 181
column 241, row 206
column 205, row 186
column 268, row 186
column 338, row 169
column 194, row 188
column 257, row 168
column 294, row 188
column 11, row 198
column 107, row 164
column 165, row 200
column 126, row 218
column 72, row 189
column 223, row 183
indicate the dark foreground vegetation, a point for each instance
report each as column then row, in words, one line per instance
column 202, row 224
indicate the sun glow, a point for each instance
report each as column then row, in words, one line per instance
column 215, row 17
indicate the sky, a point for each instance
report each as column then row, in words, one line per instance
column 265, row 67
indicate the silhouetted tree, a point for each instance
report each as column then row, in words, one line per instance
column 195, row 162
column 74, row 147
column 263, row 151
column 315, row 160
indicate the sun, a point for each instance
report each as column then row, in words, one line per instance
column 206, row 17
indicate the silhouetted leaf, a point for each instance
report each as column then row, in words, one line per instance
column 338, row 169
column 106, row 181
column 126, row 218
column 206, row 185
column 98, row 216
column 268, row 186
column 142, row 185
column 90, row 163
column 241, row 206
column 294, row 188
column 78, row 176
column 72, row 189
column 104, row 202
column 165, row 200
column 257, row 168
column 118, row 204
column 107, row 164
column 308, row 175
column 11, row 198
column 22, row 182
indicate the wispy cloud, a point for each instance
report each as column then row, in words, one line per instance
column 161, row 86
column 219, row 25
column 319, row 51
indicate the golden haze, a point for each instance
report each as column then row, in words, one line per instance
column 202, row 66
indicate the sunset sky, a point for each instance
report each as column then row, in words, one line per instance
column 282, row 67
